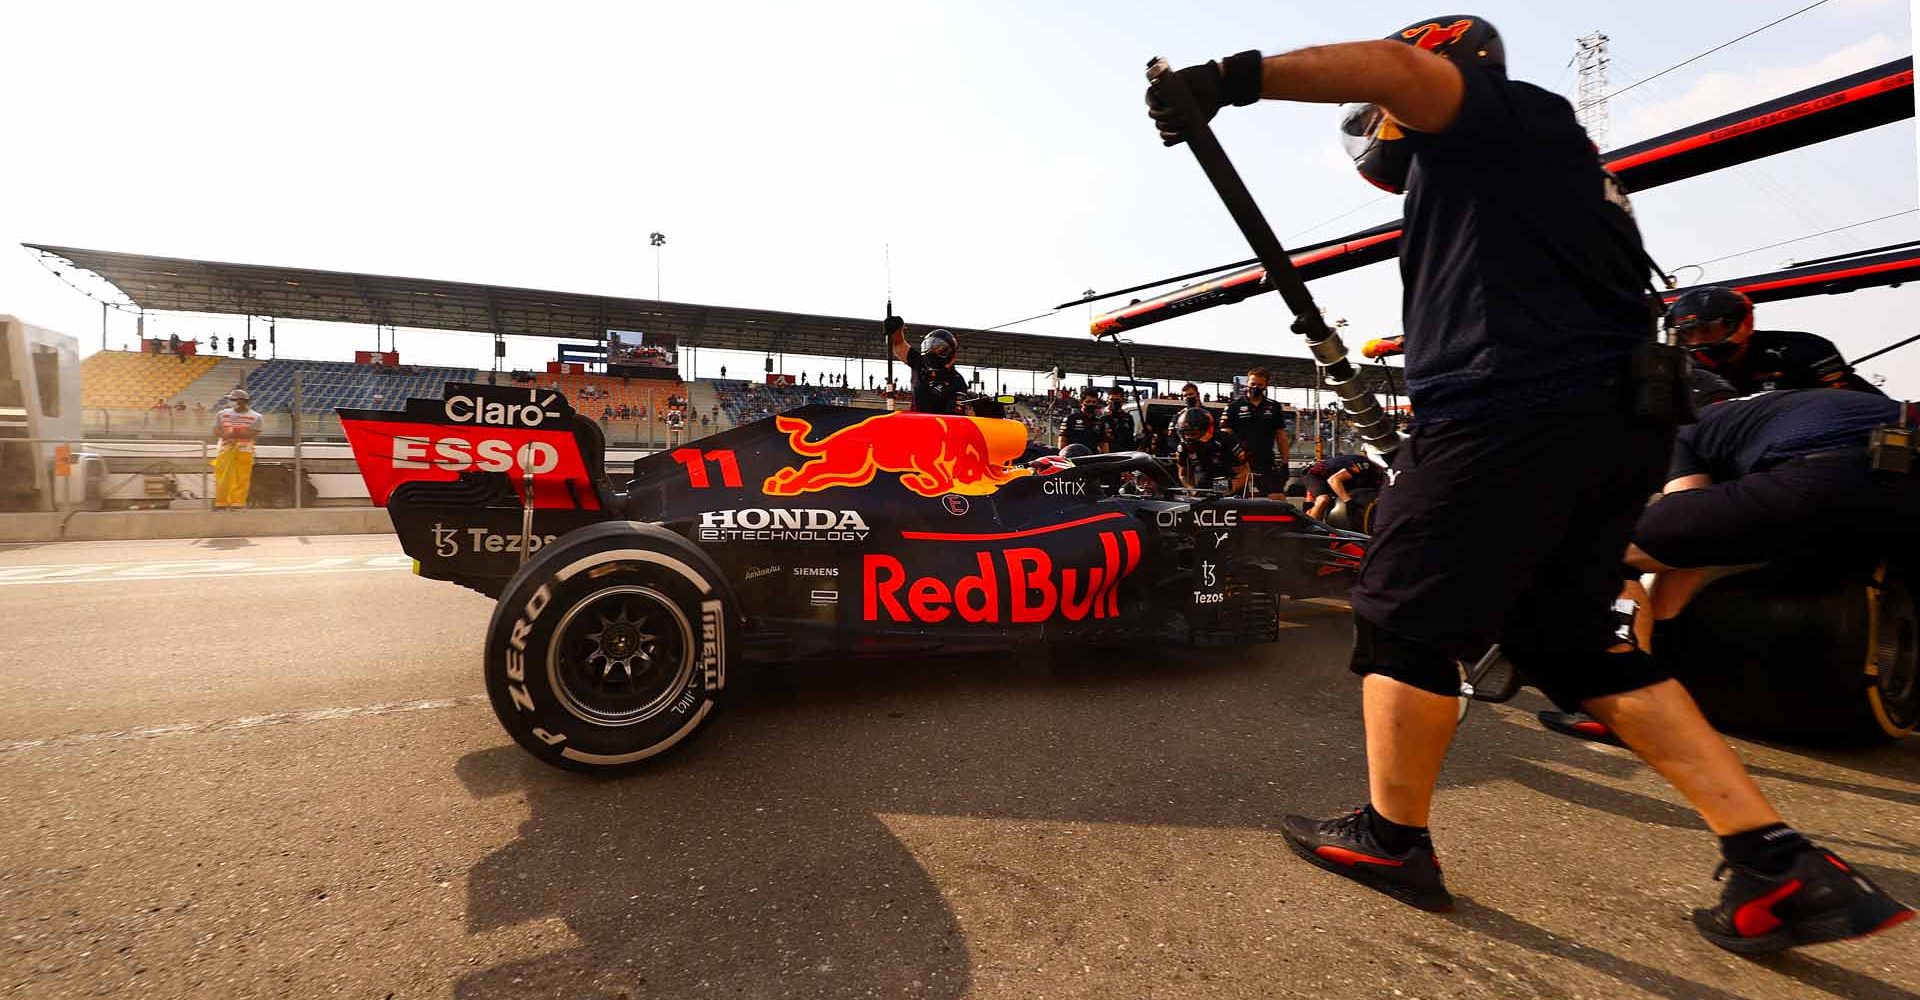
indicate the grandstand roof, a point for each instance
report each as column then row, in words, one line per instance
column 171, row 284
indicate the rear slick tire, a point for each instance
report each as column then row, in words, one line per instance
column 609, row 648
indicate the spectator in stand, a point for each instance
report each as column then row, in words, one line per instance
column 236, row 428
column 199, row 409
column 723, row 371
column 173, row 344
column 230, row 345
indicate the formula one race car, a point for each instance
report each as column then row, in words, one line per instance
column 624, row 601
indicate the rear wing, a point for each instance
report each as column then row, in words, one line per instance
column 528, row 434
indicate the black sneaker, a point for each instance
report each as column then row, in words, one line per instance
column 1580, row 725
column 1346, row 846
column 1819, row 899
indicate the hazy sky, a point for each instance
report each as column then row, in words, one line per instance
column 1000, row 148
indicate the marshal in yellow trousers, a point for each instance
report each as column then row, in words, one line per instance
column 232, row 477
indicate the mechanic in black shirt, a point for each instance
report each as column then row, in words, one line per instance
column 1715, row 323
column 1170, row 441
column 1084, row 426
column 1526, row 468
column 1260, row 424
column 1336, row 478
column 1777, row 477
column 1209, row 459
column 1119, row 423
column 937, row 388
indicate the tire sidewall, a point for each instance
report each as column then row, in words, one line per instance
column 521, row 678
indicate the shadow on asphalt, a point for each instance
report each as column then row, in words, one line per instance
column 754, row 862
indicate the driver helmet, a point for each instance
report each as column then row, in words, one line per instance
column 939, row 348
column 1713, row 322
column 1195, row 424
column 1075, row 451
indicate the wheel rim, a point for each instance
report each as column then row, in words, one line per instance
column 1897, row 660
column 621, row 655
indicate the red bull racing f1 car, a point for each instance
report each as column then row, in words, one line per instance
column 624, row 600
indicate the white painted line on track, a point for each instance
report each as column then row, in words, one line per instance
column 248, row 722
column 188, row 569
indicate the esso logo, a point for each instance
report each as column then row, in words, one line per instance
column 455, row 454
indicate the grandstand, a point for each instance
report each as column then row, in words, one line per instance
column 595, row 394
column 126, row 380
column 327, row 384
column 743, row 401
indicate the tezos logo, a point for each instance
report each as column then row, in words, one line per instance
column 447, row 542
column 782, row 524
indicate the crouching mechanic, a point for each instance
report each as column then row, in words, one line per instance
column 1336, row 478
column 1770, row 478
column 1209, row 459
column 1502, row 181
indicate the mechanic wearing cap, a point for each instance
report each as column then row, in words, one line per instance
column 1715, row 323
column 1532, row 455
column 1118, row 422
column 1336, row 477
column 1209, row 459
column 236, row 427
column 937, row 388
column 1260, row 424
column 1084, row 426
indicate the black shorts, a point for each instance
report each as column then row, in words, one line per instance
column 1821, row 508
column 1512, row 530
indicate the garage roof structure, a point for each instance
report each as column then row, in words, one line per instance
column 171, row 284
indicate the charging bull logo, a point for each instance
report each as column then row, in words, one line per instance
column 933, row 454
column 1022, row 585
column 1434, row 38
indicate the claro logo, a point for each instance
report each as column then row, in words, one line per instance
column 1012, row 585
column 457, row 454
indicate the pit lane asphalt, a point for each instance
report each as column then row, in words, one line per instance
column 268, row 781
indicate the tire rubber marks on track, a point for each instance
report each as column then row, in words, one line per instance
column 247, row 722
column 182, row 569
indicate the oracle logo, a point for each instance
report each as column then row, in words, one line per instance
column 1019, row 585
column 456, row 454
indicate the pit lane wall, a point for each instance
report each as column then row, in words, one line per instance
column 133, row 525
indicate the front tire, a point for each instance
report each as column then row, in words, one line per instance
column 609, row 648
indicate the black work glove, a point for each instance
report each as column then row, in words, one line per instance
column 894, row 324
column 1213, row 85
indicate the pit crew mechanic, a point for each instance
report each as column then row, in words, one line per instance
column 1511, row 218
column 1715, row 323
column 1209, row 459
column 1260, row 424
column 1118, row 422
column 1336, row 478
column 937, row 388
column 1774, row 477
column 1170, row 441
column 1083, row 426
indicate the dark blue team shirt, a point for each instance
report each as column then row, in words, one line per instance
column 1733, row 438
column 1522, row 273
